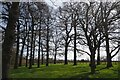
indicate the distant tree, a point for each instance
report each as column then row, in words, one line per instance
column 66, row 28
column 23, row 45
column 32, row 35
column 17, row 50
column 56, row 42
column 47, row 37
column 28, row 45
column 39, row 5
column 74, row 23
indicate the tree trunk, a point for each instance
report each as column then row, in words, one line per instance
column 75, row 63
column 9, row 39
column 28, row 41
column 66, row 49
column 31, row 50
column 17, row 52
column 22, row 50
column 27, row 53
column 55, row 55
column 39, row 45
column 109, row 62
column 92, row 63
column 47, row 56
column 98, row 56
column 39, row 56
column 42, row 54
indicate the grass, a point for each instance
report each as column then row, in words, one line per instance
column 65, row 71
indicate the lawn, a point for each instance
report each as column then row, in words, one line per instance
column 65, row 71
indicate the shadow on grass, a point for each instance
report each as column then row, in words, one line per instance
column 82, row 75
column 87, row 74
column 102, row 69
column 61, row 71
column 25, row 70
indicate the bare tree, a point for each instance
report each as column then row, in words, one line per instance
column 66, row 28
column 109, row 18
column 9, row 38
column 17, row 51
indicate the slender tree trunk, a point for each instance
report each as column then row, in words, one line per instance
column 66, row 49
column 42, row 55
column 27, row 54
column 56, row 43
column 39, row 45
column 98, row 56
column 109, row 62
column 31, row 50
column 47, row 56
column 22, row 50
column 9, row 39
column 55, row 55
column 17, row 52
column 66, row 43
column 28, row 41
column 92, row 62
column 75, row 63
column 39, row 56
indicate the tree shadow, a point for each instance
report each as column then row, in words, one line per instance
column 82, row 75
column 102, row 68
column 24, row 70
column 86, row 74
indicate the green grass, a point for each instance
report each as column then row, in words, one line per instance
column 65, row 71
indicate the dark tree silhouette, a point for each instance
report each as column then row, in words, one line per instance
column 9, row 38
column 17, row 51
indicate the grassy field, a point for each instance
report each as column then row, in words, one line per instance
column 65, row 71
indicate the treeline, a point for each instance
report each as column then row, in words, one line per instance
column 39, row 28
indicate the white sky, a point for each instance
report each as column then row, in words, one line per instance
column 54, row 3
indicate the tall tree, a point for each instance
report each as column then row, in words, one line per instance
column 23, row 46
column 9, row 38
column 32, row 35
column 74, row 24
column 47, row 56
column 17, row 51
column 28, row 42
column 66, row 28
column 39, row 44
column 108, row 20
column 90, row 31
